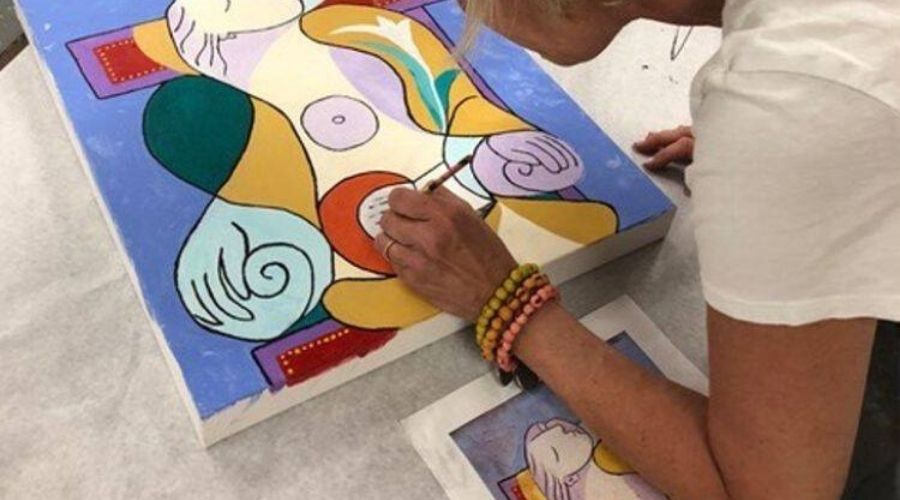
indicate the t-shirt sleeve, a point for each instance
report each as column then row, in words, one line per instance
column 795, row 198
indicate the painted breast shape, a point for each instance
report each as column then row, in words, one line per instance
column 339, row 123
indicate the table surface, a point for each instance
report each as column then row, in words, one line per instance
column 88, row 408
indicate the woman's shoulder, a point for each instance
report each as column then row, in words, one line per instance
column 853, row 43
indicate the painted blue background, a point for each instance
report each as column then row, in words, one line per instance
column 495, row 442
column 154, row 211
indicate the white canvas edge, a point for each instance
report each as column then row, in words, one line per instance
column 260, row 406
column 429, row 429
column 257, row 407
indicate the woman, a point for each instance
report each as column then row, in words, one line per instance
column 795, row 180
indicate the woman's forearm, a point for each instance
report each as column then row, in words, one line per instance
column 629, row 407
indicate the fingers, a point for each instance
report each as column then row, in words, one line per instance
column 681, row 150
column 656, row 141
column 399, row 255
column 445, row 196
column 400, row 228
column 411, row 204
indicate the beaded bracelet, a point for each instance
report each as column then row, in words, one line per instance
column 505, row 360
column 503, row 292
column 508, row 312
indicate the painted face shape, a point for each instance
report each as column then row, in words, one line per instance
column 560, row 448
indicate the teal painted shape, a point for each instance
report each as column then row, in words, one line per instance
column 252, row 272
column 424, row 86
column 442, row 85
column 314, row 317
column 198, row 128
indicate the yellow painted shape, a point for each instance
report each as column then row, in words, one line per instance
column 472, row 114
column 609, row 462
column 376, row 304
column 583, row 222
column 274, row 170
column 155, row 42
column 493, row 217
column 528, row 487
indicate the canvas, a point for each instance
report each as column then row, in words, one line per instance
column 486, row 441
column 244, row 150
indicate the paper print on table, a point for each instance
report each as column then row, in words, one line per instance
column 532, row 447
column 245, row 150
column 486, row 441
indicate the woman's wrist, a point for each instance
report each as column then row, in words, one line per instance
column 504, row 316
column 535, row 333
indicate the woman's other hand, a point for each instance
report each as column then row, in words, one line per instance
column 667, row 146
column 444, row 251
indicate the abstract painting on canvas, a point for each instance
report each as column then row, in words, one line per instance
column 243, row 151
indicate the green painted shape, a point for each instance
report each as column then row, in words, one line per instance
column 314, row 317
column 551, row 196
column 442, row 84
column 198, row 128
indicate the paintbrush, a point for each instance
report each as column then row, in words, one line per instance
column 432, row 185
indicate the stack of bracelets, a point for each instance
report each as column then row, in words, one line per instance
column 513, row 304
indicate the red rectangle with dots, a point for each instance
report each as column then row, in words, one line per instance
column 312, row 358
column 123, row 61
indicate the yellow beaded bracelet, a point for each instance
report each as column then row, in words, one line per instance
column 503, row 292
column 487, row 337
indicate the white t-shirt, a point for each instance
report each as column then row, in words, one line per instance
column 796, row 174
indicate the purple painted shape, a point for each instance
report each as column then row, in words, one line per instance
column 374, row 79
column 339, row 122
column 572, row 193
column 83, row 52
column 406, row 5
column 245, row 50
column 267, row 355
column 508, row 485
column 421, row 15
column 237, row 57
column 524, row 163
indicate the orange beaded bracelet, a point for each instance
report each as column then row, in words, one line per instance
column 507, row 313
column 505, row 360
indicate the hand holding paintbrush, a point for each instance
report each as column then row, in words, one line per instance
column 436, row 183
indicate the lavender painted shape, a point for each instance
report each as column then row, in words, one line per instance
column 526, row 163
column 339, row 122
column 375, row 80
